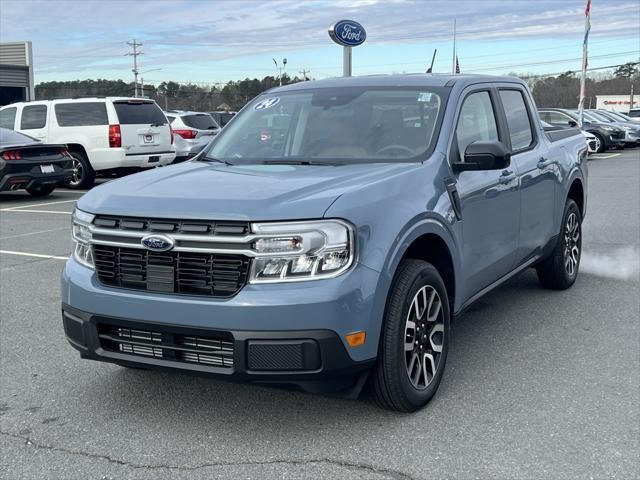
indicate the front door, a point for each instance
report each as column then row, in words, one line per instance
column 489, row 200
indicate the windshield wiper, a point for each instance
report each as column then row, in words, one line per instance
column 296, row 162
column 204, row 158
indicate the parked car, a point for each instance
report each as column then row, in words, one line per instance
column 339, row 256
column 222, row 117
column 26, row 163
column 192, row 132
column 608, row 136
column 631, row 129
column 104, row 135
column 590, row 139
column 622, row 117
column 634, row 113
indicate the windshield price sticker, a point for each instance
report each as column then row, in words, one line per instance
column 266, row 103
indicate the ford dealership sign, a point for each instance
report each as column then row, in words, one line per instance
column 348, row 33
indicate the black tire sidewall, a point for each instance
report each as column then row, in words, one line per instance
column 603, row 146
column 571, row 207
column 88, row 176
column 425, row 275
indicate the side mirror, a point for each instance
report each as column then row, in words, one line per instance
column 484, row 156
column 573, row 123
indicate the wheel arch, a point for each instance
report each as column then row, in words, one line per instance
column 577, row 194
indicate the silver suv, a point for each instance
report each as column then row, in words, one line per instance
column 192, row 132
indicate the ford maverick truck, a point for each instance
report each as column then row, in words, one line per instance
column 328, row 235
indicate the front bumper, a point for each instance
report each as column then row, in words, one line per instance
column 298, row 330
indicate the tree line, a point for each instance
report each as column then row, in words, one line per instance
column 555, row 91
column 169, row 95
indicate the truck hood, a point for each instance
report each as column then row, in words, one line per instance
column 211, row 191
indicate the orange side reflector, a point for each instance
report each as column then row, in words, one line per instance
column 356, row 339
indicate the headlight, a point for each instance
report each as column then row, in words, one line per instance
column 624, row 127
column 81, row 237
column 607, row 129
column 296, row 251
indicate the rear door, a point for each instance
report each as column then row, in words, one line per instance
column 537, row 168
column 143, row 126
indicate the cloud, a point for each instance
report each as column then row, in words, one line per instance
column 91, row 33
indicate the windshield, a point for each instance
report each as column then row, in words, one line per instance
column 334, row 125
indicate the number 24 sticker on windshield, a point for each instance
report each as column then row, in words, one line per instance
column 266, row 103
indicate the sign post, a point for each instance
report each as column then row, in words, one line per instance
column 349, row 34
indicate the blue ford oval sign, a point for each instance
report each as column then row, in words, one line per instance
column 157, row 243
column 347, row 33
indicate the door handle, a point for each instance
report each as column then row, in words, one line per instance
column 506, row 177
column 544, row 162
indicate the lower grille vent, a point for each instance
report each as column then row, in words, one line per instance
column 216, row 352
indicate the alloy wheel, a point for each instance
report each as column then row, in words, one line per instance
column 572, row 244
column 424, row 337
column 77, row 174
column 597, row 142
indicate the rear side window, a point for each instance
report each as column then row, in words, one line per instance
column 81, row 114
column 476, row 122
column 201, row 122
column 8, row 118
column 33, row 116
column 634, row 113
column 138, row 113
column 518, row 121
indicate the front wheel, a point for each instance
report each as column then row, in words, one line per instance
column 600, row 144
column 415, row 339
column 560, row 270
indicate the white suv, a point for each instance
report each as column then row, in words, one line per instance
column 102, row 134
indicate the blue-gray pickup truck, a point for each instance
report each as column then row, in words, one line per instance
column 328, row 235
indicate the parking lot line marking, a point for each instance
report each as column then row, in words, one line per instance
column 33, row 233
column 608, row 156
column 19, row 207
column 34, row 211
column 36, row 255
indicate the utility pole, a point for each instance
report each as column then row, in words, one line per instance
column 304, row 74
column 280, row 68
column 134, row 46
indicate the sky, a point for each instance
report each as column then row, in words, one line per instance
column 214, row 41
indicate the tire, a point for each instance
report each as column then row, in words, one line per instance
column 398, row 381
column 83, row 174
column 601, row 145
column 560, row 270
column 40, row 191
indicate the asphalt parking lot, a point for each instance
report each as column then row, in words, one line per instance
column 539, row 384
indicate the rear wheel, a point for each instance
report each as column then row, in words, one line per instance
column 415, row 339
column 560, row 270
column 40, row 191
column 83, row 175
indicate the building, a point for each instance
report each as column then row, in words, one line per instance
column 16, row 72
column 617, row 103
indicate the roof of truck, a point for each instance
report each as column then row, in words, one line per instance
column 406, row 80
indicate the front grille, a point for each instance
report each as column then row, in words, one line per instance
column 191, row 227
column 169, row 346
column 218, row 275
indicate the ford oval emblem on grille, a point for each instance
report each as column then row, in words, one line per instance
column 157, row 243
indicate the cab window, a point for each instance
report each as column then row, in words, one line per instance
column 518, row 122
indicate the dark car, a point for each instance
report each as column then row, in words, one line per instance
column 631, row 129
column 223, row 117
column 608, row 136
column 26, row 163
